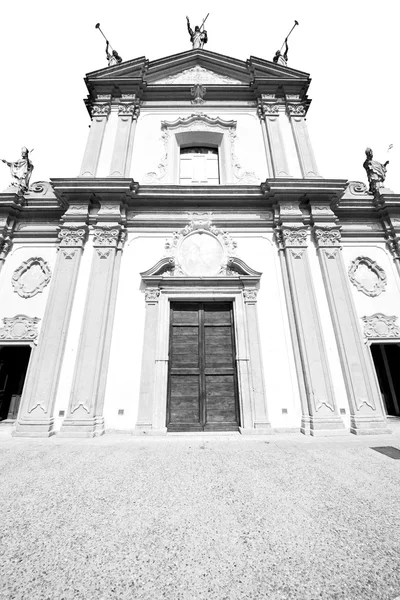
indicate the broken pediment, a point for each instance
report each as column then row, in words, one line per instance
column 200, row 250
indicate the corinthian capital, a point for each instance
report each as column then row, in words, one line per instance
column 326, row 236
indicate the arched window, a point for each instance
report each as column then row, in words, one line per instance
column 199, row 166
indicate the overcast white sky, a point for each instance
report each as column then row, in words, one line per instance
column 350, row 48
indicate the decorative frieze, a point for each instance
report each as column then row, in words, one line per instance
column 31, row 277
column 327, row 236
column 20, row 328
column 367, row 276
column 381, row 326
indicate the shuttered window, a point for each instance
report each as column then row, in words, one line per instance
column 199, row 166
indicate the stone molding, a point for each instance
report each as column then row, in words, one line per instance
column 327, row 236
column 380, row 275
column 380, row 326
column 20, row 328
column 18, row 276
column 73, row 236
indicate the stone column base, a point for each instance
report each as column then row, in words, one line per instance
column 322, row 426
column 258, row 429
column 82, row 428
column 43, row 428
column 146, row 429
column 369, row 425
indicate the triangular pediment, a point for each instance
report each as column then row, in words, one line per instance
column 195, row 75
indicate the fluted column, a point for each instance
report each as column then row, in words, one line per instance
column 85, row 411
column 37, row 403
column 100, row 112
column 323, row 416
column 296, row 112
column 128, row 112
column 268, row 109
column 366, row 411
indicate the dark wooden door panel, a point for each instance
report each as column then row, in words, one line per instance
column 202, row 390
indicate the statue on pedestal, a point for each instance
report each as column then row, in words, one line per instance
column 21, row 171
column 197, row 37
column 113, row 58
column 376, row 172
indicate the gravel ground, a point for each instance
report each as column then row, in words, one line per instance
column 199, row 517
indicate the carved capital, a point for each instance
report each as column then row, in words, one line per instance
column 73, row 236
column 152, row 294
column 250, row 295
column 296, row 110
column 100, row 110
column 5, row 247
column 381, row 326
column 293, row 236
column 106, row 236
column 327, row 236
column 393, row 243
column 20, row 328
column 128, row 110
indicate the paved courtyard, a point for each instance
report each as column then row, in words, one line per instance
column 282, row 517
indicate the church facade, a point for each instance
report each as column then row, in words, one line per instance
column 199, row 274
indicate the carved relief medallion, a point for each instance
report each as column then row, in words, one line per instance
column 31, row 277
column 381, row 326
column 367, row 276
column 20, row 327
column 201, row 253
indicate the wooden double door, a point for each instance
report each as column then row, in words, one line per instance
column 202, row 382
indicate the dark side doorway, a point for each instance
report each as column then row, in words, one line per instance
column 13, row 366
column 387, row 365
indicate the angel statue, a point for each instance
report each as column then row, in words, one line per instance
column 376, row 172
column 197, row 37
column 21, row 171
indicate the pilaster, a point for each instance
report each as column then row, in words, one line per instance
column 128, row 112
column 366, row 412
column 10, row 207
column 85, row 411
column 269, row 112
column 37, row 403
column 297, row 112
column 100, row 112
column 388, row 205
column 323, row 416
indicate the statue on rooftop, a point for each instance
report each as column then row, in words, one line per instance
column 113, row 58
column 21, row 171
column 282, row 59
column 376, row 172
column 197, row 37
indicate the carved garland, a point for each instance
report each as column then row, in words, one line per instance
column 376, row 276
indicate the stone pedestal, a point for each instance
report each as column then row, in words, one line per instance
column 366, row 412
column 85, row 411
column 323, row 416
column 100, row 111
column 37, row 403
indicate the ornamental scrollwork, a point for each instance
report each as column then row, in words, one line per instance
column 367, row 276
column 380, row 326
column 20, row 328
column 31, row 277
column 128, row 110
column 101, row 110
column 327, row 236
column 73, row 236
column 106, row 236
column 294, row 236
column 296, row 110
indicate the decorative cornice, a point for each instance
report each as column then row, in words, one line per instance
column 381, row 326
column 327, row 236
